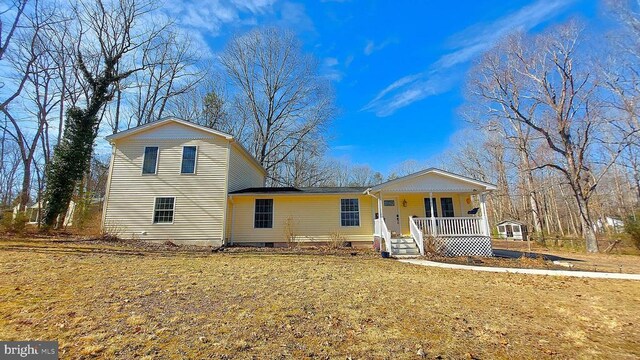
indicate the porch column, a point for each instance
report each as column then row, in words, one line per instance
column 434, row 231
column 483, row 211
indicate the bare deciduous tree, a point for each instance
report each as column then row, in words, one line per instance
column 542, row 85
column 279, row 95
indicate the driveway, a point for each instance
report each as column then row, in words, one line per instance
column 512, row 254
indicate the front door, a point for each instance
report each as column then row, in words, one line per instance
column 509, row 231
column 391, row 215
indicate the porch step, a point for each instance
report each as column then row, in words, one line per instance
column 404, row 246
column 412, row 252
column 402, row 241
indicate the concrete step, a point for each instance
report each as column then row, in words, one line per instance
column 405, row 252
column 403, row 241
column 404, row 246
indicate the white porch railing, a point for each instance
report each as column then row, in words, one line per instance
column 382, row 231
column 416, row 234
column 450, row 226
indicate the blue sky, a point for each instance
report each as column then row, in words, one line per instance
column 398, row 67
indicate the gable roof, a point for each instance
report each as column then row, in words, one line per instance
column 465, row 179
column 162, row 122
column 167, row 120
column 510, row 221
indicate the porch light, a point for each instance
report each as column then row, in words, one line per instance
column 404, row 202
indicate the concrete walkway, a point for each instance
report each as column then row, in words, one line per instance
column 581, row 274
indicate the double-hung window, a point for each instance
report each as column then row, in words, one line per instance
column 189, row 154
column 150, row 160
column 428, row 202
column 263, row 218
column 447, row 207
column 349, row 212
column 163, row 210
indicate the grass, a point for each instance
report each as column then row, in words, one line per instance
column 114, row 301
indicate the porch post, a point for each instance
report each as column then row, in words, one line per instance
column 483, row 210
column 434, row 231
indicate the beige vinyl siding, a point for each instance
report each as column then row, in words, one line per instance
column 243, row 173
column 200, row 198
column 314, row 218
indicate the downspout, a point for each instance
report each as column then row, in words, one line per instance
column 233, row 218
column 368, row 192
column 105, row 200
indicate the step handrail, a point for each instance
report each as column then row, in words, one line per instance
column 417, row 235
column 385, row 234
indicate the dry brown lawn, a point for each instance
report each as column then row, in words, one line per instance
column 623, row 259
column 122, row 302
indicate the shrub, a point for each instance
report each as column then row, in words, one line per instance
column 16, row 225
column 336, row 240
column 632, row 227
column 6, row 221
column 290, row 231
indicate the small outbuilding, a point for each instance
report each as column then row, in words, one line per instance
column 512, row 230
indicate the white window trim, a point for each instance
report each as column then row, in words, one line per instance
column 359, row 213
column 195, row 164
column 153, row 212
column 144, row 151
column 273, row 213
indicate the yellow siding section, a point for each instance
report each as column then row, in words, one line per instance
column 415, row 206
column 200, row 198
column 243, row 173
column 312, row 217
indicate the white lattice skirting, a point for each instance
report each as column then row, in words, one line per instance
column 463, row 246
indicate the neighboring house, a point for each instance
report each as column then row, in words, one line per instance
column 175, row 180
column 512, row 230
column 34, row 212
column 614, row 224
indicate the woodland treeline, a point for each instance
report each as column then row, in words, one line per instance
column 552, row 118
column 553, row 121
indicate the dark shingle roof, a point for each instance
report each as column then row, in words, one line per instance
column 302, row 190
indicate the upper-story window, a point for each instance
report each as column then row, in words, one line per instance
column 150, row 161
column 189, row 155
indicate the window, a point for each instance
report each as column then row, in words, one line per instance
column 389, row 203
column 188, row 160
column 447, row 207
column 501, row 228
column 349, row 212
column 163, row 210
column 427, row 207
column 516, row 229
column 150, row 162
column 263, row 218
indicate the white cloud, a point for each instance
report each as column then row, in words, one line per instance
column 295, row 16
column 466, row 45
column 331, row 61
column 372, row 47
column 208, row 17
column 330, row 69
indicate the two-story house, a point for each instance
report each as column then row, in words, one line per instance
column 175, row 180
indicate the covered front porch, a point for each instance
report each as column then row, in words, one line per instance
column 435, row 211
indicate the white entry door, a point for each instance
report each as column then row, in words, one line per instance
column 391, row 215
